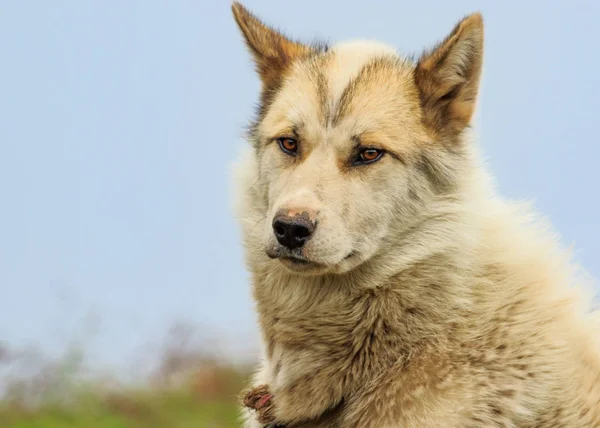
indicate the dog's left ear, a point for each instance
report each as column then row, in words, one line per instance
column 448, row 78
column 272, row 52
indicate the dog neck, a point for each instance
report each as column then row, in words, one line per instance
column 407, row 293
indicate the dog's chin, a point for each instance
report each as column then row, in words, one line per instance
column 301, row 265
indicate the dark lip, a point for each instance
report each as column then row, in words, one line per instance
column 286, row 257
column 297, row 260
column 300, row 261
column 283, row 254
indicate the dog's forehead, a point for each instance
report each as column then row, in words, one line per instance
column 348, row 59
column 354, row 86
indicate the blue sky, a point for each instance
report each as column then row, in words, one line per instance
column 118, row 120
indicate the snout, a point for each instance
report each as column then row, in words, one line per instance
column 293, row 229
column 306, row 235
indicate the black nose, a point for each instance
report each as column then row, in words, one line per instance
column 293, row 232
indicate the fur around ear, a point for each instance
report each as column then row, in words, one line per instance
column 448, row 78
column 272, row 51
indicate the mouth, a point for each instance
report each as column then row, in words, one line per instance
column 294, row 262
column 299, row 263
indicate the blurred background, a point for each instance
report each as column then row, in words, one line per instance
column 124, row 300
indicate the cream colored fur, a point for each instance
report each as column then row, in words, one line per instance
column 457, row 309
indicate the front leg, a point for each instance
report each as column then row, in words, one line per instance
column 305, row 386
column 250, row 399
column 260, row 400
column 260, row 412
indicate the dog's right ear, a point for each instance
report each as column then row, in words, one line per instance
column 272, row 51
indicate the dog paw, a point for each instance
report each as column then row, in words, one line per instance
column 260, row 400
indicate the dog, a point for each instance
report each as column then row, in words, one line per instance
column 393, row 286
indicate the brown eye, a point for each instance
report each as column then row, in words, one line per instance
column 367, row 156
column 288, row 145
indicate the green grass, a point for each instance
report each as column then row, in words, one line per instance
column 171, row 410
column 181, row 408
column 208, row 399
column 189, row 387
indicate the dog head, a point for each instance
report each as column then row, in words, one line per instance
column 353, row 143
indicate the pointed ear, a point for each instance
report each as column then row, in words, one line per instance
column 448, row 78
column 272, row 52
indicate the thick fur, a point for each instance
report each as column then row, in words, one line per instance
column 424, row 299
